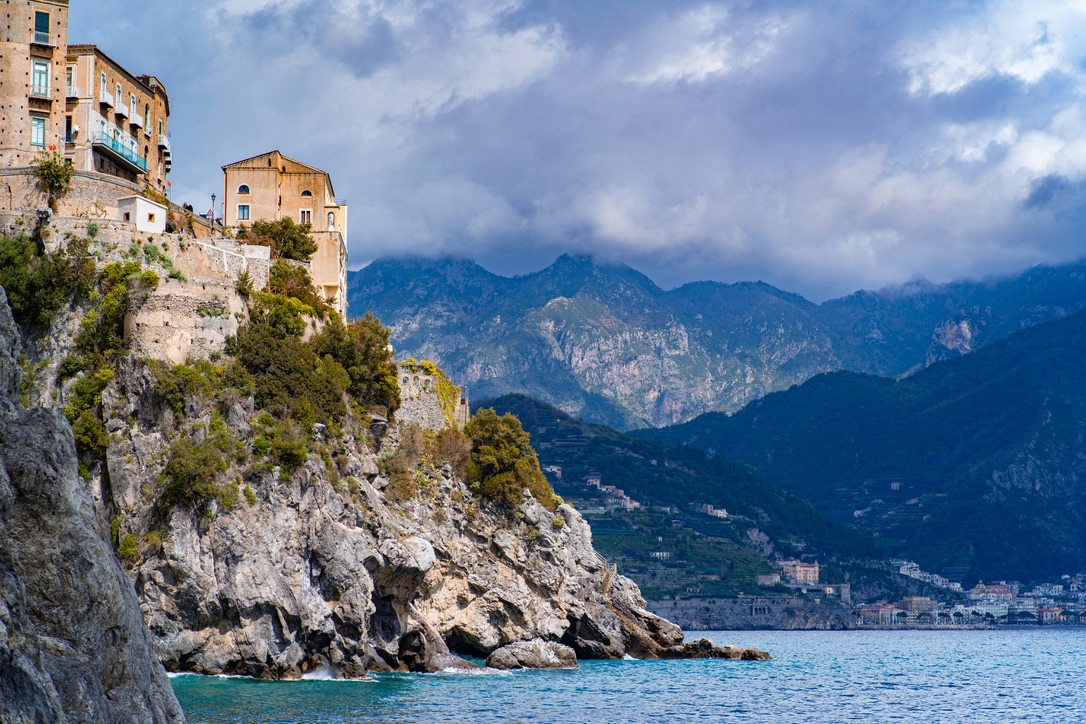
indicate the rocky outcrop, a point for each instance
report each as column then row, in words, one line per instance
column 333, row 566
column 534, row 654
column 73, row 646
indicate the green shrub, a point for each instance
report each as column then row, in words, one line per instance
column 286, row 239
column 289, row 280
column 90, row 433
column 127, row 550
column 175, row 384
column 289, row 445
column 192, row 473
column 70, row 366
column 287, row 375
column 39, row 285
column 150, row 252
column 92, row 229
column 54, row 173
column 149, row 278
column 503, row 464
column 362, row 348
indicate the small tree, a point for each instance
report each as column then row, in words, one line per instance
column 362, row 347
column 286, row 239
column 54, row 174
column 503, row 464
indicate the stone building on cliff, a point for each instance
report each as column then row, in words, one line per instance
column 272, row 186
column 110, row 123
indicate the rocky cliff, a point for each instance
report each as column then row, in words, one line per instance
column 73, row 646
column 331, row 566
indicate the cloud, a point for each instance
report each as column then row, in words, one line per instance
column 822, row 147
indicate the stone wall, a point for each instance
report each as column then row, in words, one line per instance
column 420, row 403
column 234, row 259
column 184, row 320
column 91, row 195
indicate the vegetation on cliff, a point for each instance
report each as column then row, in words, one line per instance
column 286, row 239
column 41, row 284
column 503, row 464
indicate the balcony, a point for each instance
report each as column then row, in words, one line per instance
column 106, row 99
column 121, row 110
column 136, row 121
column 73, row 91
column 42, row 39
column 40, row 91
column 164, row 142
column 120, row 152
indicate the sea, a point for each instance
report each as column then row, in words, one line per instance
column 1016, row 675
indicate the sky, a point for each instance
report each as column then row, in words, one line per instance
column 821, row 147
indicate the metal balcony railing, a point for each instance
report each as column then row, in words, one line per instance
column 40, row 91
column 120, row 149
column 73, row 91
column 42, row 38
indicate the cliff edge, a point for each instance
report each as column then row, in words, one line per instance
column 73, row 645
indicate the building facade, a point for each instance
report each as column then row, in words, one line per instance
column 116, row 122
column 33, row 50
column 77, row 101
column 272, row 186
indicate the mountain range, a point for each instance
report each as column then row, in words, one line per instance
column 606, row 344
column 974, row 465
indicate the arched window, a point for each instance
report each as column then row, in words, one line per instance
column 331, row 221
column 307, row 194
column 243, row 189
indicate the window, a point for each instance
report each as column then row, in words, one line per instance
column 243, row 212
column 151, row 217
column 39, row 79
column 132, row 97
column 147, row 116
column 307, row 216
column 104, row 85
column 128, row 216
column 331, row 221
column 67, row 129
column 243, row 189
column 69, row 76
column 307, row 194
column 160, row 127
column 41, row 28
column 37, row 131
column 119, row 95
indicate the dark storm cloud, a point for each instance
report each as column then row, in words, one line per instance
column 822, row 147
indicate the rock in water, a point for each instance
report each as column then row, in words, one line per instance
column 534, row 654
column 73, row 645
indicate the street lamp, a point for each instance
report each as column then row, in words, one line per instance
column 212, row 219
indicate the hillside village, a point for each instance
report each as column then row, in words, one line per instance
column 110, row 126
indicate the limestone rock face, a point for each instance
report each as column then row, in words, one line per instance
column 534, row 654
column 73, row 646
column 327, row 566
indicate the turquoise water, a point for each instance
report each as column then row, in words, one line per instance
column 941, row 676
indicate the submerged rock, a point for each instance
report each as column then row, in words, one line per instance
column 73, row 645
column 534, row 654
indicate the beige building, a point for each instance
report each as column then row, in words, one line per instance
column 33, row 49
column 116, row 122
column 272, row 186
column 77, row 100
